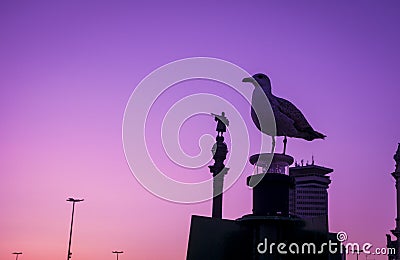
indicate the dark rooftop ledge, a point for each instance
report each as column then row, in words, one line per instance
column 263, row 159
column 306, row 169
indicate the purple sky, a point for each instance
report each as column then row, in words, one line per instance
column 69, row 68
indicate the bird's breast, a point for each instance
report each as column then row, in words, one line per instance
column 262, row 114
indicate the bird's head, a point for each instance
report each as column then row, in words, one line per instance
column 262, row 80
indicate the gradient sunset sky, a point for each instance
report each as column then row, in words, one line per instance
column 68, row 69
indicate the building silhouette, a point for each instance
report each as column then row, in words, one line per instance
column 290, row 208
column 271, row 221
column 395, row 244
column 309, row 195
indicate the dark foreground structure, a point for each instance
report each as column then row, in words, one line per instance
column 395, row 244
column 272, row 231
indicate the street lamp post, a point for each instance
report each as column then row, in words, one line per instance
column 17, row 253
column 357, row 251
column 72, row 222
column 117, row 252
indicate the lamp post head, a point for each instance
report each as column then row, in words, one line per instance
column 74, row 200
column 118, row 252
column 17, row 253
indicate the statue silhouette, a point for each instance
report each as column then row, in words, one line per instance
column 223, row 122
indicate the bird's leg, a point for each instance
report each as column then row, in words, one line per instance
column 273, row 144
column 284, row 144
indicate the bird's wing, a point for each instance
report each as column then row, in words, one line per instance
column 291, row 111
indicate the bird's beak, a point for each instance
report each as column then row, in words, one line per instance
column 250, row 79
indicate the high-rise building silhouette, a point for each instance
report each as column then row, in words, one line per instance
column 309, row 195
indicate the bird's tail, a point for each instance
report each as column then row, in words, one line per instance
column 311, row 134
column 318, row 135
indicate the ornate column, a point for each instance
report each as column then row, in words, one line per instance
column 219, row 170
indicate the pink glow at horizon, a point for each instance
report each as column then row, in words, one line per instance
column 69, row 68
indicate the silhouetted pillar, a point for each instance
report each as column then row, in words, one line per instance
column 271, row 194
column 219, row 170
column 218, row 184
column 270, row 218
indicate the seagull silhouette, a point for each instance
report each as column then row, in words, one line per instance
column 289, row 120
